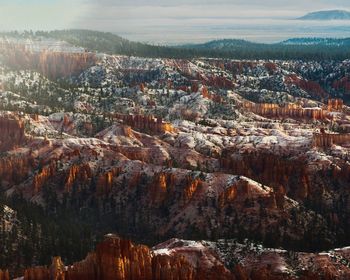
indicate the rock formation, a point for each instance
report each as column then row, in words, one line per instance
column 4, row 275
column 216, row 172
column 42, row 176
column 342, row 84
column 326, row 140
column 78, row 174
column 335, row 105
column 11, row 132
column 148, row 124
column 15, row 168
column 309, row 86
column 288, row 111
column 120, row 259
column 52, row 64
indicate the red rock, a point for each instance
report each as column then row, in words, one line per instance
column 42, row 177
column 288, row 111
column 105, row 181
column 118, row 259
column 307, row 85
column 51, row 64
column 37, row 273
column 77, row 173
column 15, row 169
column 4, row 275
column 335, row 104
column 342, row 85
column 11, row 132
column 325, row 140
column 144, row 123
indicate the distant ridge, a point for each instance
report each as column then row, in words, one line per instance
column 108, row 43
column 318, row 41
column 327, row 15
column 222, row 44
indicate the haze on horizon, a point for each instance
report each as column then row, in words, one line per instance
column 168, row 22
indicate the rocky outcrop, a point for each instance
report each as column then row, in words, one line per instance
column 144, row 123
column 105, row 180
column 77, row 174
column 38, row 273
column 120, row 259
column 56, row 64
column 214, row 97
column 292, row 176
column 342, row 84
column 42, row 176
column 52, row 64
column 335, row 105
column 326, row 140
column 288, row 111
column 309, row 86
column 14, row 169
column 4, row 275
column 11, row 132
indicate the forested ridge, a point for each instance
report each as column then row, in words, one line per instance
column 228, row 48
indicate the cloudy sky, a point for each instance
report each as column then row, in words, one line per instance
column 167, row 21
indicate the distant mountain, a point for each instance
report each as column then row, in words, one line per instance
column 318, row 41
column 327, row 15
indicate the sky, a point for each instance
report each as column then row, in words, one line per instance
column 171, row 22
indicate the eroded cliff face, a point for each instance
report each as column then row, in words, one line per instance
column 288, row 111
column 77, row 174
column 4, row 275
column 269, row 169
column 312, row 87
column 14, row 169
column 122, row 166
column 42, row 176
column 308, row 182
column 50, row 63
column 12, row 132
column 120, row 259
column 147, row 124
column 343, row 84
column 326, row 140
column 55, row 65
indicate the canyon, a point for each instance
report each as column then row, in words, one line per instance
column 224, row 169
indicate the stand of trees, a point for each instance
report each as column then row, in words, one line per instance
column 232, row 49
